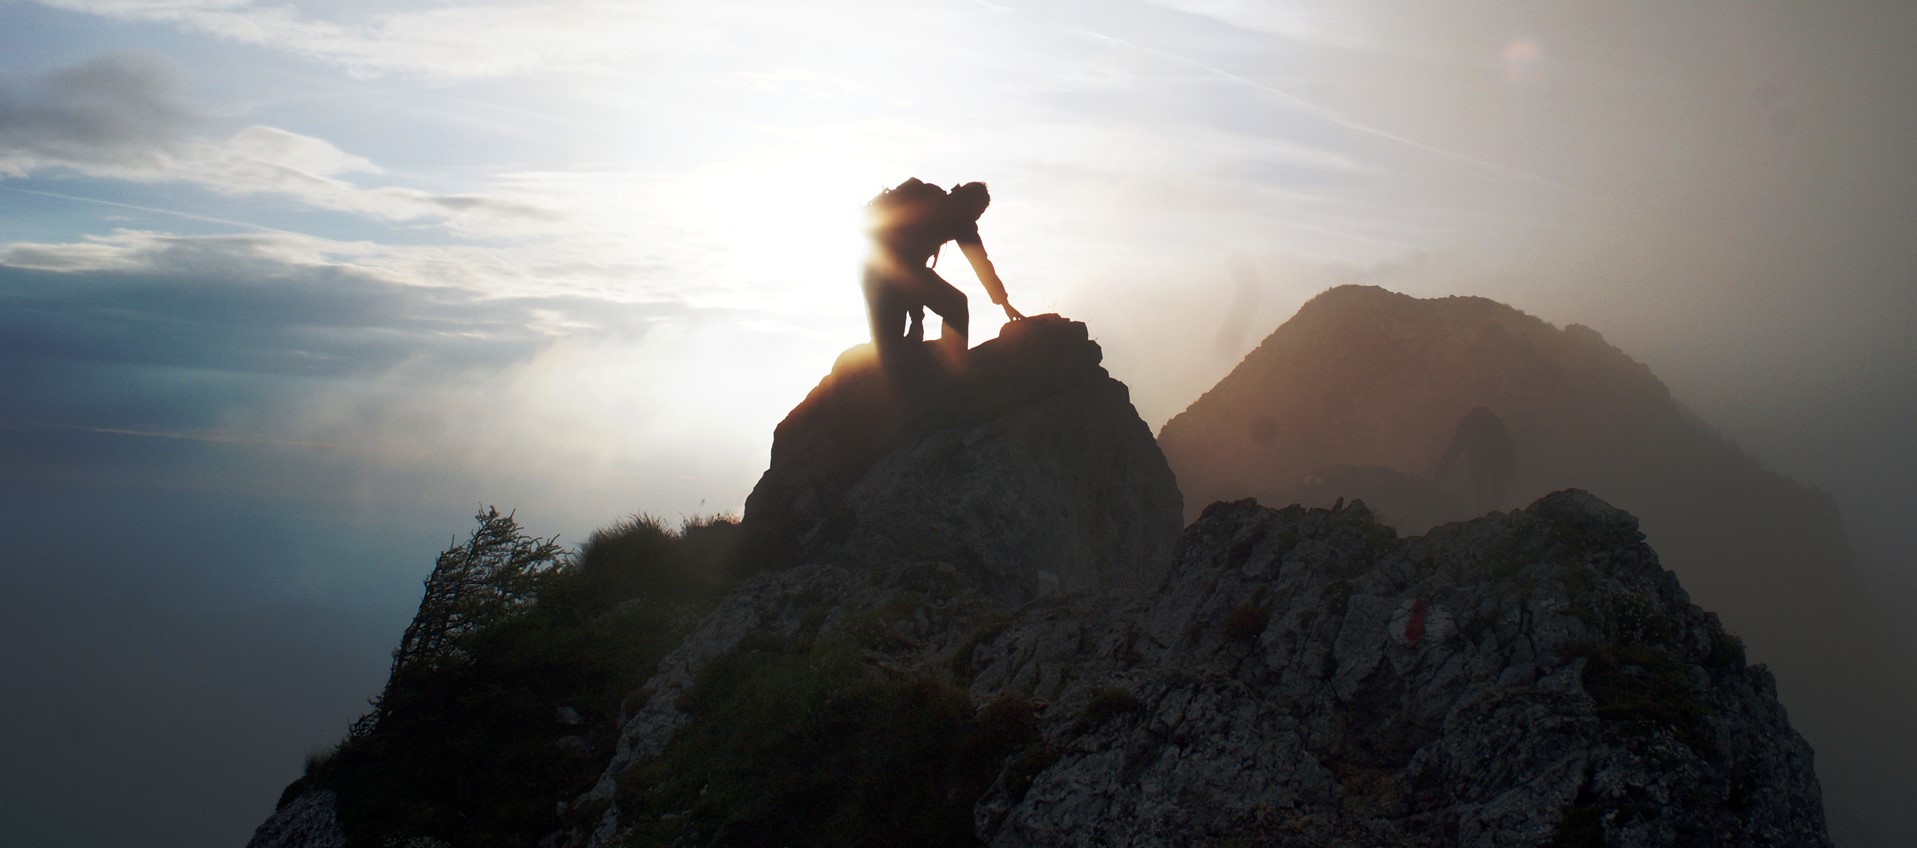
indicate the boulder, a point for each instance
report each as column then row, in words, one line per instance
column 1021, row 463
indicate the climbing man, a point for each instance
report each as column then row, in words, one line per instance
column 909, row 224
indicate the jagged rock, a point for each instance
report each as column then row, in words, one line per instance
column 957, row 488
column 1275, row 690
column 1022, row 464
column 1305, row 677
column 307, row 820
column 1361, row 392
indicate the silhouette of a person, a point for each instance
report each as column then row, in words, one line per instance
column 899, row 284
column 1490, row 457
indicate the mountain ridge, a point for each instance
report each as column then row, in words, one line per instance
column 978, row 623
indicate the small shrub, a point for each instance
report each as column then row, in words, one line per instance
column 1338, row 596
column 1110, row 702
column 1647, row 690
column 1727, row 651
column 1025, row 767
column 806, row 744
column 1633, row 619
column 962, row 658
column 318, row 758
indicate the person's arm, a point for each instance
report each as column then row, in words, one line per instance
column 987, row 275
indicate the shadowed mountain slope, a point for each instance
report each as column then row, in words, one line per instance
column 1364, row 391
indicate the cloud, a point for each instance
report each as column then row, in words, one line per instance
column 266, row 160
column 1326, row 23
column 222, row 348
column 120, row 117
column 113, row 111
column 248, row 340
column 448, row 42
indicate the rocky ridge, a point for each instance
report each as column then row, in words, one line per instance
column 1295, row 677
column 1304, row 677
column 983, row 628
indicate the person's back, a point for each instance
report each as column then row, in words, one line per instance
column 910, row 222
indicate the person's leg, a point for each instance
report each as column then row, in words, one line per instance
column 885, row 310
column 946, row 301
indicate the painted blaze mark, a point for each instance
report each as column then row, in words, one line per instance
column 1418, row 620
column 1414, row 629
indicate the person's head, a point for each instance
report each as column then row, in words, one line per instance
column 971, row 199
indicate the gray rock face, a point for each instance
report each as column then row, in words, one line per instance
column 957, row 489
column 1304, row 677
column 1023, row 465
column 309, row 820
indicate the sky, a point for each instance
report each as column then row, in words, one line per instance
column 288, row 290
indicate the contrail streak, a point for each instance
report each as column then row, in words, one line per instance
column 155, row 210
column 180, row 435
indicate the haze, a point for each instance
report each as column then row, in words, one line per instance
column 287, row 290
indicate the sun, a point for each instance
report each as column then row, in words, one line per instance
column 786, row 226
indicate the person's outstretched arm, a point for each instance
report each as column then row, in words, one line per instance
column 988, row 276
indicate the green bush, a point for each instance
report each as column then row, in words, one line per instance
column 1647, row 690
column 464, row 752
column 1727, row 651
column 1025, row 767
column 797, row 744
column 1110, row 702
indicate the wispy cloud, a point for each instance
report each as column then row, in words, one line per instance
column 119, row 117
column 210, row 437
column 450, row 42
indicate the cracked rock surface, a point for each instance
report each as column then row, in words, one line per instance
column 1305, row 677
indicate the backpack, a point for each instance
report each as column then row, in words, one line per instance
column 913, row 203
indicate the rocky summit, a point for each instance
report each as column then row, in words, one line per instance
column 972, row 621
column 1022, row 463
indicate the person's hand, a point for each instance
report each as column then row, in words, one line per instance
column 1012, row 314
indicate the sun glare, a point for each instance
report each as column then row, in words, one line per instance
column 784, row 229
